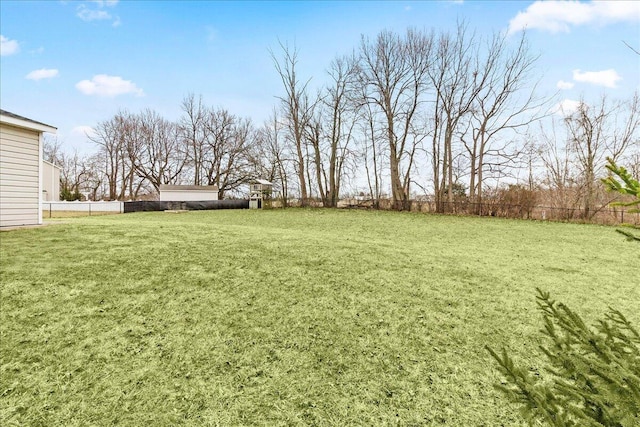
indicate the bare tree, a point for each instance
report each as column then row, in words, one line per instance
column 335, row 125
column 52, row 149
column 598, row 131
column 274, row 160
column 226, row 157
column 504, row 101
column 155, row 148
column 297, row 109
column 371, row 152
column 195, row 133
column 561, row 178
column 393, row 71
column 94, row 176
column 456, row 80
column 110, row 137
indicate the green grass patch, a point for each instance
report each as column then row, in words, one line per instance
column 286, row 317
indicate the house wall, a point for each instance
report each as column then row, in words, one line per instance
column 50, row 182
column 19, row 176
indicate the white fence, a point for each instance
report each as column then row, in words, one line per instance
column 83, row 207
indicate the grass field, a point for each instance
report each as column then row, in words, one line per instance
column 286, row 317
column 73, row 214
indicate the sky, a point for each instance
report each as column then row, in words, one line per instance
column 73, row 64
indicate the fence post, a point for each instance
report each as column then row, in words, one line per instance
column 89, row 208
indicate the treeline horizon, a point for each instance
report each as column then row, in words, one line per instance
column 444, row 114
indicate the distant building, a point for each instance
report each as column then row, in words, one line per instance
column 188, row 193
column 21, row 181
column 50, row 182
column 259, row 193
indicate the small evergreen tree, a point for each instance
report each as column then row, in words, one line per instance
column 593, row 373
column 629, row 186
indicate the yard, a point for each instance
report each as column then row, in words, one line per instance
column 286, row 317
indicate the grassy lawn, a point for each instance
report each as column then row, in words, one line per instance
column 73, row 214
column 294, row 317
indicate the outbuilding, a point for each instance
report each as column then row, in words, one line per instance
column 260, row 193
column 21, row 169
column 188, row 193
column 50, row 182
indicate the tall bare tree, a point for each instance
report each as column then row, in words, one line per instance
column 456, row 81
column 336, row 124
column 297, row 110
column 155, row 148
column 504, row 102
column 393, row 71
column 195, row 133
column 110, row 137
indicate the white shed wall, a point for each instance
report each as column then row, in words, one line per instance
column 50, row 182
column 187, row 195
column 19, row 176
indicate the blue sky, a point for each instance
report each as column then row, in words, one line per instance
column 72, row 64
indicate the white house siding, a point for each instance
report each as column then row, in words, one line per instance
column 19, row 176
column 50, row 182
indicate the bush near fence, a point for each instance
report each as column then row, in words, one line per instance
column 606, row 215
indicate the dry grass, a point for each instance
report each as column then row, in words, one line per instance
column 286, row 317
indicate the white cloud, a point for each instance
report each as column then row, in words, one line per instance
column 606, row 78
column 89, row 15
column 43, row 73
column 560, row 15
column 566, row 107
column 108, row 86
column 8, row 47
column 564, row 85
column 97, row 12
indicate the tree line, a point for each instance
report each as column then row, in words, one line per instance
column 444, row 114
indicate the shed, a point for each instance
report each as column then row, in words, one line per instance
column 259, row 191
column 188, row 193
column 50, row 182
column 21, row 169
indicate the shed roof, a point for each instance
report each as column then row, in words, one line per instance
column 261, row 181
column 24, row 122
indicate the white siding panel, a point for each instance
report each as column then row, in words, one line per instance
column 7, row 183
column 19, row 147
column 19, row 176
column 20, row 159
column 14, row 169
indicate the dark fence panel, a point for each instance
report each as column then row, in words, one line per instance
column 154, row 206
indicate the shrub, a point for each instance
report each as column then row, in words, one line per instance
column 593, row 373
column 627, row 186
